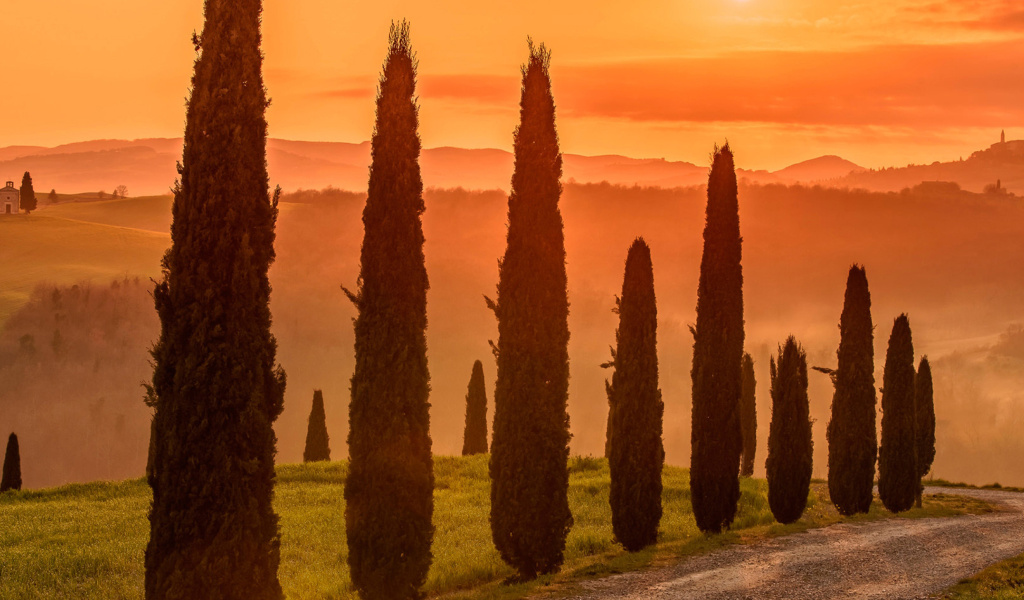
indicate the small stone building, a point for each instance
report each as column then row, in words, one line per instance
column 10, row 200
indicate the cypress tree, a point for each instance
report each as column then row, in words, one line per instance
column 474, row 439
column 215, row 387
column 636, row 451
column 748, row 417
column 852, row 435
column 790, row 449
column 925, row 416
column 898, row 475
column 28, row 193
column 715, row 441
column 11, row 479
column 390, row 485
column 530, row 516
column 318, row 443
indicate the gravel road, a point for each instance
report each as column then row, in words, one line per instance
column 892, row 558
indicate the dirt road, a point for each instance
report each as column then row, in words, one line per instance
column 893, row 558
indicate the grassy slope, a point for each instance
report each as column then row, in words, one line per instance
column 1001, row 581
column 58, row 245
column 87, row 541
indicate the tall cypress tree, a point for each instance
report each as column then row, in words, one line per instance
column 530, row 516
column 715, row 441
column 925, row 416
column 215, row 387
column 474, row 439
column 318, row 443
column 748, row 417
column 898, row 475
column 790, row 449
column 390, row 485
column 11, row 479
column 28, row 193
column 636, row 451
column 852, row 435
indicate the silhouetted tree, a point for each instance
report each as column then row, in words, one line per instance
column 215, row 387
column 790, row 448
column 11, row 479
column 898, row 475
column 530, row 516
column 53, row 196
column 636, row 451
column 748, row 417
column 852, row 438
column 474, row 438
column 28, row 193
column 716, row 442
column 925, row 416
column 390, row 485
column 318, row 443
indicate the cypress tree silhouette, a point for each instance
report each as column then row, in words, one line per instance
column 636, row 451
column 215, row 388
column 925, row 416
column 530, row 516
column 11, row 479
column 390, row 485
column 474, row 439
column 852, row 437
column 28, row 193
column 898, row 475
column 715, row 440
column 318, row 443
column 790, row 449
column 748, row 417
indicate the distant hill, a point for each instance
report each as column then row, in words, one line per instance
column 147, row 166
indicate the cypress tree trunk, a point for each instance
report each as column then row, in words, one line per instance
column 852, row 435
column 748, row 417
column 215, row 388
column 925, row 416
column 390, row 485
column 636, row 451
column 474, row 439
column 530, row 516
column 318, row 443
column 715, row 441
column 790, row 449
column 898, row 475
column 11, row 479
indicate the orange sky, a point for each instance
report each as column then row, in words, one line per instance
column 878, row 82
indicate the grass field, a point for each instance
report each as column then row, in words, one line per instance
column 87, row 541
column 57, row 245
column 1001, row 581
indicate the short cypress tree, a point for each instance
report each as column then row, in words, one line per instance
column 925, row 404
column 28, row 193
column 11, row 479
column 748, row 417
column 898, row 476
column 474, row 438
column 215, row 387
column 318, row 443
column 715, row 440
column 530, row 517
column 790, row 449
column 852, row 436
column 390, row 485
column 636, row 451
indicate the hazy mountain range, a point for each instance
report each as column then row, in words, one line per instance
column 147, row 166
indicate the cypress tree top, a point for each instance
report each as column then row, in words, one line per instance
column 474, row 439
column 215, row 387
column 717, row 354
column 11, row 479
column 318, row 443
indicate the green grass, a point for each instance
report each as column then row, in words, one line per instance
column 1001, row 581
column 87, row 541
column 46, row 247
